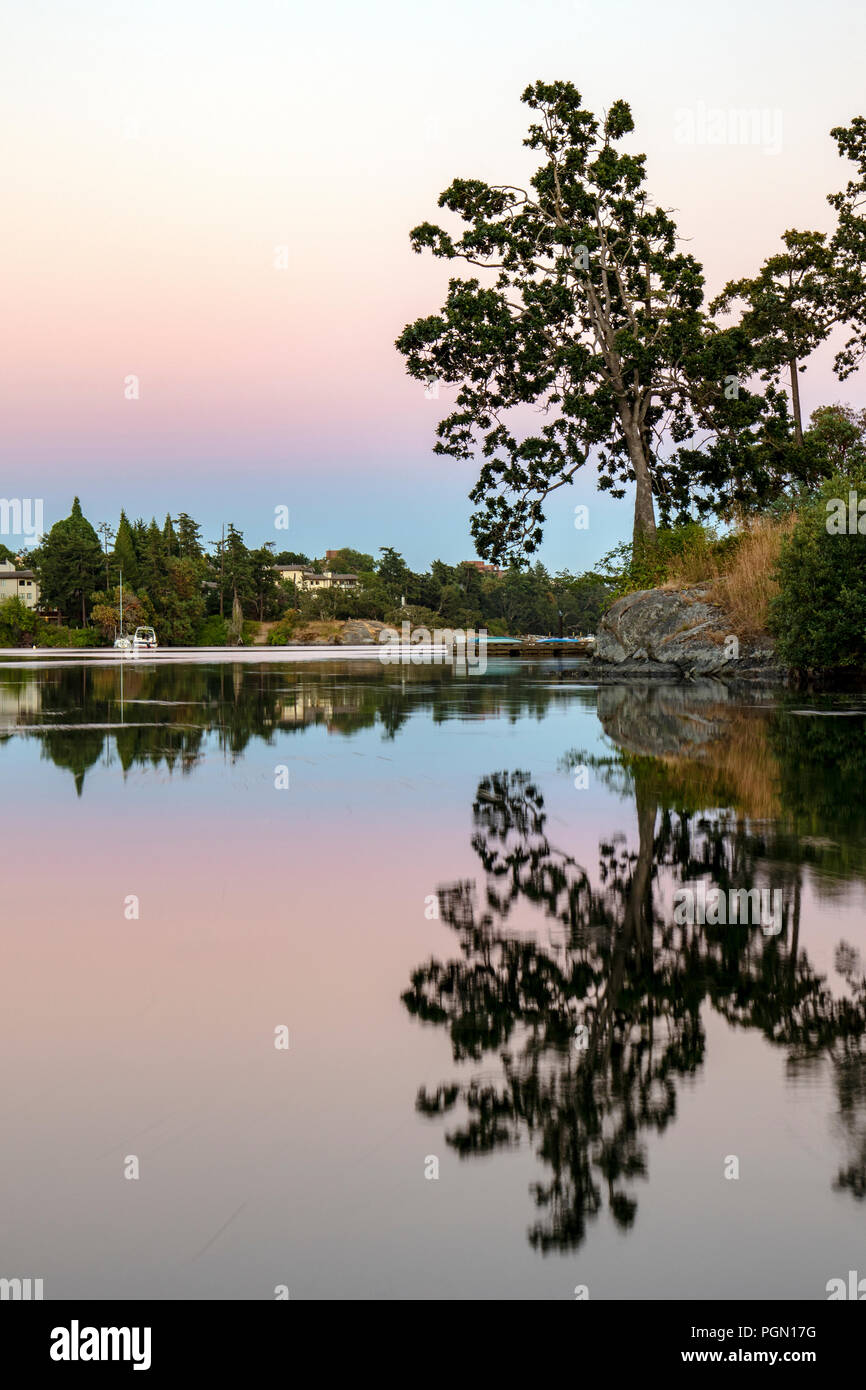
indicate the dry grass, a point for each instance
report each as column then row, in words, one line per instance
column 317, row 630
column 746, row 585
column 698, row 567
column 740, row 582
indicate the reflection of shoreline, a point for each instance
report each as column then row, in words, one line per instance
column 717, row 750
column 23, row 658
column 595, row 1034
column 74, row 708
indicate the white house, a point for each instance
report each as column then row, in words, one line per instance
column 15, row 583
column 310, row 581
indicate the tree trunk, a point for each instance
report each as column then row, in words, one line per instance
column 795, row 402
column 644, row 510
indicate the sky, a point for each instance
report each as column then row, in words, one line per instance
column 162, row 161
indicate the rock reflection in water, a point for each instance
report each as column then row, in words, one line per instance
column 596, row 1017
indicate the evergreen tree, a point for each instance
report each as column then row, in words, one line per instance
column 264, row 579
column 169, row 539
column 71, row 564
column 188, row 538
column 237, row 569
column 139, row 538
column 124, row 552
column 152, row 564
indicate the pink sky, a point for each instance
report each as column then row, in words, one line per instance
column 156, row 157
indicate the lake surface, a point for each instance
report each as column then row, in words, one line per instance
column 510, row 1070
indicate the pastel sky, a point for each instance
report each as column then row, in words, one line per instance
column 157, row 154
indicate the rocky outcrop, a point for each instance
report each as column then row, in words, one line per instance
column 361, row 632
column 674, row 633
column 353, row 632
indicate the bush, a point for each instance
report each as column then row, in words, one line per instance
column 685, row 554
column 416, row 616
column 46, row 635
column 819, row 615
column 282, row 632
column 17, row 622
column 212, row 632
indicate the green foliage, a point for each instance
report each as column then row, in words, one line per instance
column 418, row 617
column 47, row 635
column 70, row 565
column 284, row 629
column 348, row 561
column 837, row 433
column 848, row 247
column 591, row 313
column 583, row 602
column 106, row 613
column 124, row 557
column 17, row 623
column 263, row 579
column 819, row 616
column 211, row 632
column 788, row 309
column 291, row 557
column 689, row 549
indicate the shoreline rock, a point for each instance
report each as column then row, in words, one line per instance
column 668, row 634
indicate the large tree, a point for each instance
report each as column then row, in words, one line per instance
column 848, row 246
column 71, row 564
column 188, row 538
column 125, row 557
column 592, row 316
column 787, row 310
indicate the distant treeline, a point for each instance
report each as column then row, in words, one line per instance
column 197, row 592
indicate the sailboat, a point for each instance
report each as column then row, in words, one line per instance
column 122, row 643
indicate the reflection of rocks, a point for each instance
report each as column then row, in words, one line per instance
column 679, row 633
column 663, row 720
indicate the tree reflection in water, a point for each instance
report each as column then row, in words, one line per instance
column 596, row 1014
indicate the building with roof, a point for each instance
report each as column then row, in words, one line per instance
column 18, row 583
column 310, row 581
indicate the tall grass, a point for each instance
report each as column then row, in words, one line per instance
column 748, row 583
column 738, row 569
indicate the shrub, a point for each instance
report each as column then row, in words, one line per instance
column 17, row 621
column 416, row 615
column 212, row 632
column 46, row 635
column 819, row 614
column 282, row 632
column 685, row 554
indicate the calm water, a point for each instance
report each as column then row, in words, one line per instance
column 461, row 909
